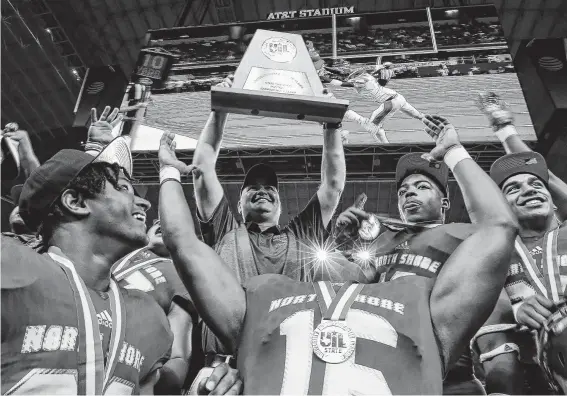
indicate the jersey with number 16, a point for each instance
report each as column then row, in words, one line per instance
column 395, row 349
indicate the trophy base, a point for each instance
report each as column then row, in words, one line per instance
column 275, row 105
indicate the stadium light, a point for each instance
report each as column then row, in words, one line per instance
column 452, row 13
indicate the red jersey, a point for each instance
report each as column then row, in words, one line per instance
column 44, row 336
column 416, row 252
column 395, row 350
column 522, row 277
column 146, row 271
column 529, row 274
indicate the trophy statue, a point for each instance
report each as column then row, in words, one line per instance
column 277, row 78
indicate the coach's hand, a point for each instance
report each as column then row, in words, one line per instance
column 101, row 128
column 224, row 380
column 444, row 134
column 167, row 156
column 534, row 311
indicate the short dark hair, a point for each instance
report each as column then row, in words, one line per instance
column 90, row 182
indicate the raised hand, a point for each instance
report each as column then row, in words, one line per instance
column 28, row 159
column 101, row 128
column 444, row 134
column 495, row 109
column 23, row 139
column 167, row 156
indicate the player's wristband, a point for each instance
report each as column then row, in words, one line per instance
column 169, row 173
column 504, row 133
column 509, row 347
column 455, row 155
column 93, row 148
column 336, row 83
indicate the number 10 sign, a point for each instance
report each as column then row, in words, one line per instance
column 153, row 64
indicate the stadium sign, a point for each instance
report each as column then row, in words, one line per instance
column 311, row 13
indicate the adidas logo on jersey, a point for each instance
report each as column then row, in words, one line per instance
column 403, row 246
column 104, row 319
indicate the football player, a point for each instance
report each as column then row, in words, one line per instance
column 538, row 198
column 293, row 337
column 424, row 248
column 67, row 326
column 390, row 102
column 150, row 270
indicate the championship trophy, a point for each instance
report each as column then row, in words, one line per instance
column 277, row 78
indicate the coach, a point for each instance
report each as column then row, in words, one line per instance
column 259, row 245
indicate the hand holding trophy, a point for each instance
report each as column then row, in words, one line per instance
column 277, row 78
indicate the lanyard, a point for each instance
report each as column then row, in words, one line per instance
column 549, row 283
column 335, row 306
column 126, row 260
column 94, row 375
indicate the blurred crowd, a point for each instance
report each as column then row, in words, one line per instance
column 407, row 66
column 374, row 40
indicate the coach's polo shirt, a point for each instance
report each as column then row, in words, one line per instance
column 287, row 250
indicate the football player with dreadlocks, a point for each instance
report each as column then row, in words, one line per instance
column 390, row 102
column 536, row 279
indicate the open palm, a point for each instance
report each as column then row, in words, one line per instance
column 444, row 134
column 101, row 128
column 167, row 156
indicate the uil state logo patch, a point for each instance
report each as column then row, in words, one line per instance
column 333, row 342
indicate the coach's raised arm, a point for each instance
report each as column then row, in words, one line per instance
column 258, row 245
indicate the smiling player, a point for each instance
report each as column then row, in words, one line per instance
column 423, row 249
column 535, row 282
column 314, row 338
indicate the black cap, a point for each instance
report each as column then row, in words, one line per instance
column 46, row 183
column 260, row 171
column 412, row 163
column 513, row 164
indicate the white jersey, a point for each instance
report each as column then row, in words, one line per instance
column 373, row 91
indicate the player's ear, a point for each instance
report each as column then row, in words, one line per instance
column 74, row 202
column 445, row 204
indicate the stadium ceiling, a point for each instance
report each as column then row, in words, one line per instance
column 47, row 45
